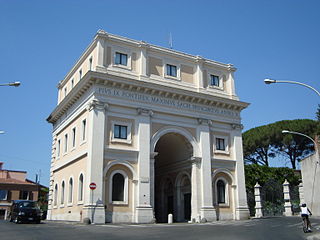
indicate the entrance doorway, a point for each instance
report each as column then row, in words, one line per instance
column 172, row 170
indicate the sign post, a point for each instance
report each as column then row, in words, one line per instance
column 92, row 187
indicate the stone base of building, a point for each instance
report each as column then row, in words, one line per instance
column 144, row 215
column 119, row 217
column 208, row 214
column 242, row 213
column 96, row 214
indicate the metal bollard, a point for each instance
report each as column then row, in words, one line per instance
column 170, row 218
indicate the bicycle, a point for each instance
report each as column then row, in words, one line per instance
column 306, row 224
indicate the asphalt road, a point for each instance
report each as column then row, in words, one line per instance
column 257, row 229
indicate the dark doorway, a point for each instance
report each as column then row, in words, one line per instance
column 172, row 192
column 187, row 206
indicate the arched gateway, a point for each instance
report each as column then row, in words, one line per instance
column 172, row 183
column 158, row 131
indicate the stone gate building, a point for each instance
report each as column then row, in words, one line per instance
column 158, row 131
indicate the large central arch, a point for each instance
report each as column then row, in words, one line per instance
column 172, row 171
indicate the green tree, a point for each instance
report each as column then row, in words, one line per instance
column 268, row 141
column 256, row 145
column 292, row 146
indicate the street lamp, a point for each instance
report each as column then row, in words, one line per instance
column 301, row 134
column 1, row 132
column 269, row 81
column 14, row 84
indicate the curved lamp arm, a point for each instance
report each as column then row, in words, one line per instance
column 269, row 81
column 301, row 134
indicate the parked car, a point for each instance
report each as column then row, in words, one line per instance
column 25, row 211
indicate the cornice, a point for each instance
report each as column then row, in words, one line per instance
column 71, row 98
column 143, row 87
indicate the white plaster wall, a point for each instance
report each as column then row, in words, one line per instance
column 310, row 171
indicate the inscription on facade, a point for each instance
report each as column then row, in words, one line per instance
column 147, row 98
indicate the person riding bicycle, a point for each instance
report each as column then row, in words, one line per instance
column 305, row 213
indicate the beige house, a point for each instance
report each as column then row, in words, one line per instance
column 15, row 186
column 158, row 131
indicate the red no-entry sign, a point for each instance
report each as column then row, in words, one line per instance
column 92, row 186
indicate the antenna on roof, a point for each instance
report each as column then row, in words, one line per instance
column 170, row 41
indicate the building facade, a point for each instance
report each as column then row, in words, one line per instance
column 158, row 131
column 310, row 172
column 15, row 186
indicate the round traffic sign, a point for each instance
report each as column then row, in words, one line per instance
column 92, row 186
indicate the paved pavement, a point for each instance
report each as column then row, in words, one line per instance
column 257, row 229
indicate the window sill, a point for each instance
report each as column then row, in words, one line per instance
column 172, row 78
column 125, row 67
column 80, row 203
column 215, row 87
column 119, row 203
column 222, row 152
column 223, row 205
column 119, row 140
column 69, row 204
column 83, row 142
column 62, row 206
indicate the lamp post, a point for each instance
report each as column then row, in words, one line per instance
column 301, row 134
column 269, row 81
column 1, row 132
column 317, row 162
column 13, row 84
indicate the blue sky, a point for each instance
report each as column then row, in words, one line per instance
column 41, row 40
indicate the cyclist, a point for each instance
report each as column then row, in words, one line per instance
column 305, row 213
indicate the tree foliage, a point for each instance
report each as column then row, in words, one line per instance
column 265, row 175
column 268, row 141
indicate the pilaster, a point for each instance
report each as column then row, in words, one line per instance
column 242, row 210
column 199, row 72
column 94, row 208
column 207, row 210
column 144, row 211
column 195, row 182
column 143, row 58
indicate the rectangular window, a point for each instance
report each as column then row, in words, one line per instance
column 121, row 59
column 171, row 70
column 120, row 131
column 65, row 143
column 220, row 144
column 72, row 83
column 58, row 148
column 24, row 195
column 73, row 137
column 65, row 91
column 90, row 63
column 3, row 194
column 214, row 80
column 80, row 74
column 84, row 126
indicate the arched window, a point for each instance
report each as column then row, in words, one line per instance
column 70, row 190
column 55, row 200
column 80, row 192
column 221, row 191
column 118, row 187
column 62, row 192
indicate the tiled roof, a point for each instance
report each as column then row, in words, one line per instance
column 14, row 181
